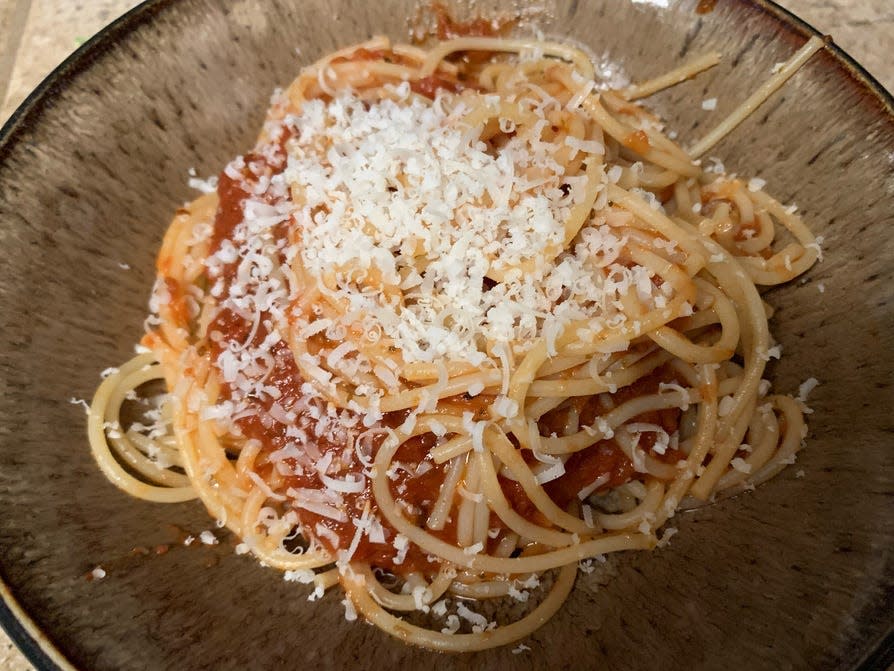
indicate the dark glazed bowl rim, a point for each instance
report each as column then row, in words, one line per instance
column 20, row 626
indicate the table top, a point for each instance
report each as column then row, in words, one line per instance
column 36, row 35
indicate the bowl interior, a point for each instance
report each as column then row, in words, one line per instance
column 797, row 574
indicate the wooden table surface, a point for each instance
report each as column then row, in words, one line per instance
column 36, row 35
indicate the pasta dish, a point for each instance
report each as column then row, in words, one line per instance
column 461, row 320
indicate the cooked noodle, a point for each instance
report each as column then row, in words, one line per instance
column 456, row 324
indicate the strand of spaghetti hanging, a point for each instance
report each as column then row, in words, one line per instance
column 759, row 97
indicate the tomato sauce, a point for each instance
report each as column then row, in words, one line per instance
column 604, row 457
column 177, row 301
column 429, row 86
column 449, row 28
column 637, row 141
column 364, row 54
column 231, row 196
column 584, row 467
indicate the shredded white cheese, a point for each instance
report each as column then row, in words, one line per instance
column 806, row 387
column 740, row 465
column 756, row 184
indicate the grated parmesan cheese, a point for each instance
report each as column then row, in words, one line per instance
column 402, row 545
column 725, row 406
column 350, row 611
column 452, row 625
column 740, row 465
column 474, row 549
column 303, row 576
column 81, row 402
column 479, row 622
column 756, row 184
column 668, row 533
column 806, row 387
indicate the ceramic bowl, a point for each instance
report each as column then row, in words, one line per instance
column 796, row 575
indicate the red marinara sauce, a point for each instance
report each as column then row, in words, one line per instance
column 448, row 28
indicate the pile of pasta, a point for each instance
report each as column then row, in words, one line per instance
column 461, row 320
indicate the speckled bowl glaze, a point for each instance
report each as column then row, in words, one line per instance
column 796, row 575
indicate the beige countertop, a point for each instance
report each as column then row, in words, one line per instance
column 35, row 35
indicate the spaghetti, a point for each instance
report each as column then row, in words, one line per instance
column 454, row 326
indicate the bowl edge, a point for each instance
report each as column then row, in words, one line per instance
column 22, row 629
